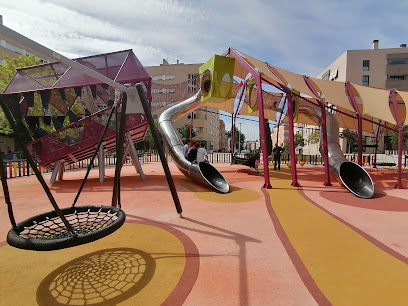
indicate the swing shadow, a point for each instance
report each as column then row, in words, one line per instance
column 105, row 277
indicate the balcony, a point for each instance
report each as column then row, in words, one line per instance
column 397, row 84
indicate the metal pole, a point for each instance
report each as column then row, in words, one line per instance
column 33, row 165
column 255, row 73
column 325, row 153
column 400, row 138
column 94, row 154
column 170, row 182
column 234, row 118
column 292, row 140
column 55, row 172
column 6, row 192
column 359, row 123
column 134, row 156
column 239, row 138
column 191, row 126
column 101, row 163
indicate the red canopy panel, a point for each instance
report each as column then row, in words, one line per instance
column 121, row 66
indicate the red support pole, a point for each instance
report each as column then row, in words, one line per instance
column 400, row 138
column 325, row 150
column 191, row 126
column 360, row 139
column 292, row 140
column 234, row 118
column 257, row 76
column 264, row 146
column 359, row 122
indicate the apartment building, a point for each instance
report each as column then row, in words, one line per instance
column 206, row 121
column 375, row 67
column 223, row 139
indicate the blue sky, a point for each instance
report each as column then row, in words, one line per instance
column 300, row 36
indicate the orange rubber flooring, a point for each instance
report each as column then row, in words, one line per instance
column 311, row 245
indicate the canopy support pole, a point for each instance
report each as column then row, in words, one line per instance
column 255, row 73
column 262, row 126
column 325, row 150
column 134, row 157
column 292, row 139
column 61, row 170
column 234, row 118
column 55, row 172
column 101, row 163
column 359, row 123
column 163, row 160
column 400, row 137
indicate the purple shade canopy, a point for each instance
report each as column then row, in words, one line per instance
column 122, row 67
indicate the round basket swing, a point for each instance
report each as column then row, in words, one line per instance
column 75, row 225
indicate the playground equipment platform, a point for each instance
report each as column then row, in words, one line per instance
column 312, row 245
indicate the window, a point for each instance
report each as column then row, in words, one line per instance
column 334, row 74
column 162, row 77
column 396, row 77
column 366, row 65
column 192, row 82
column 194, row 115
column 365, row 80
column 163, row 91
column 397, row 61
column 326, row 75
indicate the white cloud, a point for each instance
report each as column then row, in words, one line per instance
column 302, row 36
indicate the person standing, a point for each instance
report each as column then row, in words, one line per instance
column 201, row 153
column 186, row 147
column 9, row 154
column 277, row 152
column 192, row 155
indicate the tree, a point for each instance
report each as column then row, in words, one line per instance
column 184, row 132
column 351, row 137
column 239, row 138
column 299, row 140
column 314, row 137
column 149, row 141
column 7, row 72
column 394, row 136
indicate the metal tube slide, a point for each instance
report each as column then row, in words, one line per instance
column 348, row 173
column 202, row 172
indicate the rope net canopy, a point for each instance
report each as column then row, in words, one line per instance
column 63, row 111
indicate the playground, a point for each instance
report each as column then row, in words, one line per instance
column 283, row 246
column 180, row 232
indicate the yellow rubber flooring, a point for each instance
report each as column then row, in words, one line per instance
column 348, row 269
column 236, row 195
column 137, row 265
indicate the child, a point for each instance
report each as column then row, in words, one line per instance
column 192, row 155
column 201, row 153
